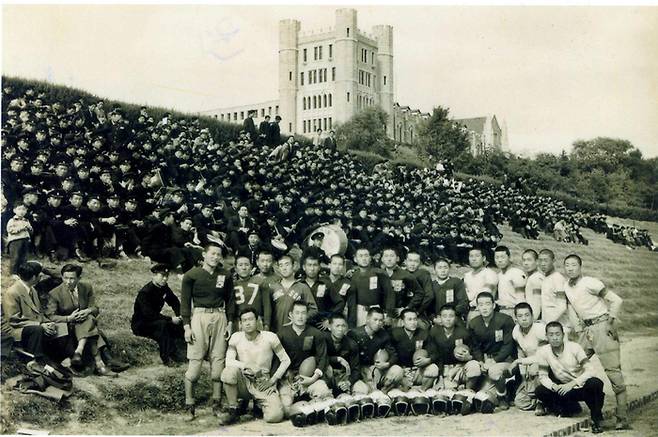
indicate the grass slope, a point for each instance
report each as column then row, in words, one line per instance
column 150, row 396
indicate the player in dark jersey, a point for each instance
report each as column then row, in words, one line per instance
column 251, row 291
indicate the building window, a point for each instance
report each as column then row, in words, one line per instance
column 304, row 102
column 324, row 98
column 333, row 73
column 384, row 80
column 315, row 53
column 348, row 32
column 330, row 119
column 290, row 76
column 331, row 51
column 269, row 110
column 372, row 58
column 262, row 112
column 301, row 78
column 320, row 73
column 235, row 116
column 324, row 123
column 320, row 52
column 348, row 96
column 276, row 110
column 330, row 100
column 304, row 126
column 315, row 102
column 241, row 115
column 304, row 55
column 314, row 126
column 289, row 127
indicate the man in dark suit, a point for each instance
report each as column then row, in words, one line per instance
column 74, row 303
column 263, row 130
column 249, row 127
column 238, row 228
column 274, row 132
column 330, row 141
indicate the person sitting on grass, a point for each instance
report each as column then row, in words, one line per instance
column 74, row 303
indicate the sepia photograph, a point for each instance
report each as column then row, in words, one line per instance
column 329, row 219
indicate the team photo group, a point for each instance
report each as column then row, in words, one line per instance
column 328, row 261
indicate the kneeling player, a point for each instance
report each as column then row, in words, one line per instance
column 449, row 346
column 493, row 346
column 378, row 357
column 409, row 342
column 247, row 373
column 343, row 356
column 301, row 342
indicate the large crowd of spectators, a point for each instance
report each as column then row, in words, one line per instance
column 84, row 181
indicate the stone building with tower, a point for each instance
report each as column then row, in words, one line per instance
column 327, row 76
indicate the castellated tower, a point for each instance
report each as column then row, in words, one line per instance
column 384, row 36
column 346, row 66
column 288, row 54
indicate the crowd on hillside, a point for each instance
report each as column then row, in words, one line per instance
column 93, row 183
column 86, row 182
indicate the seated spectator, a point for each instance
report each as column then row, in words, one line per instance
column 74, row 303
column 148, row 320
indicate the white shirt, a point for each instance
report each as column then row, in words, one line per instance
column 529, row 343
column 533, row 292
column 476, row 283
column 509, row 283
column 572, row 364
column 553, row 299
column 585, row 297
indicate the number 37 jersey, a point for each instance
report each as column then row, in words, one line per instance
column 253, row 292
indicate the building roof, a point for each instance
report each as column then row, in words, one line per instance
column 473, row 124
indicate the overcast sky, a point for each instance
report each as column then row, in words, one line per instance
column 553, row 74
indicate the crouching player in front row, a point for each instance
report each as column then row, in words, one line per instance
column 247, row 373
column 493, row 347
column 410, row 343
column 303, row 343
column 567, row 377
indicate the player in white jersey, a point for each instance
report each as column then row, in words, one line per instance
column 598, row 309
column 480, row 278
column 511, row 282
column 533, row 284
column 553, row 299
column 528, row 335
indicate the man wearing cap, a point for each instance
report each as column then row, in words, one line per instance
column 148, row 320
column 54, row 227
column 408, row 293
column 286, row 291
column 76, row 236
column 314, row 248
column 206, row 294
column 238, row 228
column 251, row 291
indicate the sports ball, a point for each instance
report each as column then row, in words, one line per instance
column 461, row 349
column 381, row 356
column 307, row 367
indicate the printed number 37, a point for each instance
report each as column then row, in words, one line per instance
column 239, row 294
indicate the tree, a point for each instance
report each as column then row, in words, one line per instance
column 365, row 131
column 440, row 137
column 602, row 153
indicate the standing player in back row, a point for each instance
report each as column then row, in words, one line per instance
column 249, row 291
column 598, row 309
column 480, row 278
column 369, row 287
column 535, row 279
column 511, row 282
column 205, row 295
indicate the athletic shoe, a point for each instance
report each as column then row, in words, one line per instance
column 229, row 417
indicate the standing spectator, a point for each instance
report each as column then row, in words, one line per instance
column 249, row 127
column 19, row 232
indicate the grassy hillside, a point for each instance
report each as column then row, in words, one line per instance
column 153, row 395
